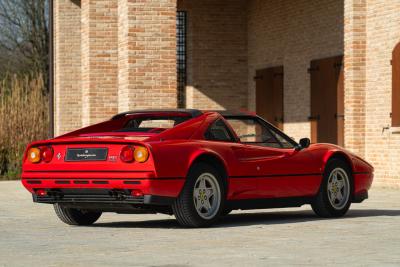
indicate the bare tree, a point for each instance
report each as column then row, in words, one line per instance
column 24, row 35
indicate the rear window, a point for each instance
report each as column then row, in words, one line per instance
column 152, row 124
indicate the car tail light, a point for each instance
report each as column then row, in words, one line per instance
column 34, row 155
column 47, row 153
column 141, row 154
column 127, row 154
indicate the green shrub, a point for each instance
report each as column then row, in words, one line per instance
column 23, row 119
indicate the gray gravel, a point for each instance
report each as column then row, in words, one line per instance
column 31, row 235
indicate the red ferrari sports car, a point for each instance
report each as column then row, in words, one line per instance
column 197, row 165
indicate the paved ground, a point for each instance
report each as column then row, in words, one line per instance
column 31, row 235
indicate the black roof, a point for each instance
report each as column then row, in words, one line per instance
column 192, row 112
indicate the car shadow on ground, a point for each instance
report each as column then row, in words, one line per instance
column 248, row 219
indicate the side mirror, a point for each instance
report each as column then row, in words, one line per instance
column 304, row 143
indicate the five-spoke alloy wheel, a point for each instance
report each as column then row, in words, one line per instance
column 336, row 191
column 207, row 196
column 338, row 188
column 202, row 199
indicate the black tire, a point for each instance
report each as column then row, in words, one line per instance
column 74, row 216
column 321, row 205
column 184, row 207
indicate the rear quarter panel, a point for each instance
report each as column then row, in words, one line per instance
column 174, row 158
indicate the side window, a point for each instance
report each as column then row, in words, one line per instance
column 218, row 131
column 284, row 142
column 250, row 131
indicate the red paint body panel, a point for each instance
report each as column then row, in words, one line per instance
column 252, row 172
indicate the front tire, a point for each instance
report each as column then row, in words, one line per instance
column 202, row 199
column 74, row 216
column 336, row 191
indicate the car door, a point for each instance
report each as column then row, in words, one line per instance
column 270, row 161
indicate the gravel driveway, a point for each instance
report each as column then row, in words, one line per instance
column 31, row 235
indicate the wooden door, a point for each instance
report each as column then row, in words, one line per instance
column 396, row 86
column 327, row 100
column 269, row 95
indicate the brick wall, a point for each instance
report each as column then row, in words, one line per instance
column 67, row 59
column 147, row 54
column 112, row 55
column 292, row 33
column 354, row 75
column 217, row 53
column 99, row 22
column 382, row 146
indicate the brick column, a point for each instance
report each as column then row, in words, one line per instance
column 67, row 66
column 99, row 60
column 147, row 54
column 355, row 74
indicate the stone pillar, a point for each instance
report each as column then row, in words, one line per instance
column 147, row 54
column 67, row 66
column 355, row 74
column 99, row 22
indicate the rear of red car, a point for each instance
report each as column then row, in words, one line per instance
column 92, row 171
column 112, row 170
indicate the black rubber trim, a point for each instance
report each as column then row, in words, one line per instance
column 192, row 112
column 34, row 182
column 158, row 200
column 360, row 197
column 132, row 182
column 361, row 173
column 63, row 182
column 274, row 175
column 100, row 182
column 93, row 197
column 81, row 182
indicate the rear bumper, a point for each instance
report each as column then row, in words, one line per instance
column 100, row 196
column 86, row 183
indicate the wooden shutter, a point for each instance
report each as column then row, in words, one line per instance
column 396, row 86
column 269, row 95
column 327, row 100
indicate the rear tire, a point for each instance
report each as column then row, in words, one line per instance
column 336, row 190
column 202, row 198
column 76, row 217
